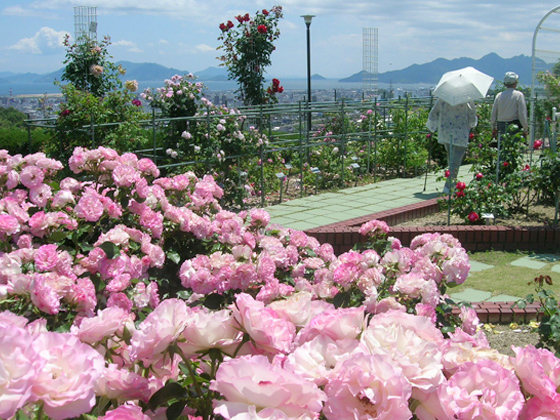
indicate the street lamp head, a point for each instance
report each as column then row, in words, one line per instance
column 307, row 19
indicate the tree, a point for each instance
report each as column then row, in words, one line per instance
column 247, row 50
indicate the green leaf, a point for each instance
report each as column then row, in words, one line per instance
column 174, row 256
column 214, row 301
column 171, row 391
column 341, row 300
column 175, row 410
column 110, row 249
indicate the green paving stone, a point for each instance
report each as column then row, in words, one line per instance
column 528, row 263
column 546, row 258
column 471, row 295
column 478, row 266
column 504, row 298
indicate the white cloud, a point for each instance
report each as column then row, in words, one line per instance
column 205, row 48
column 128, row 46
column 45, row 41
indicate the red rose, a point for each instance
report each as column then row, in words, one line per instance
column 280, row 89
column 223, row 27
column 65, row 113
column 240, row 19
column 265, row 12
column 505, row 164
column 461, row 186
column 276, row 82
column 262, row 29
column 246, row 17
column 447, row 173
column 471, row 136
column 479, row 175
column 537, row 144
column 473, row 217
column 229, row 24
column 460, row 193
column 428, row 136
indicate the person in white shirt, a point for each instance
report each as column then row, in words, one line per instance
column 453, row 124
column 509, row 108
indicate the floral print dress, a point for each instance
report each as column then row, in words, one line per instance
column 453, row 123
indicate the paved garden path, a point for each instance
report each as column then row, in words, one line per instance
column 331, row 207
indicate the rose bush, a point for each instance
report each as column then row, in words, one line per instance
column 124, row 294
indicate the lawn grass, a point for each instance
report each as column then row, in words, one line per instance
column 507, row 279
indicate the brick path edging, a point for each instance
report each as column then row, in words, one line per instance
column 344, row 235
column 504, row 312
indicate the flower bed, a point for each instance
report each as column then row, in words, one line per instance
column 344, row 235
column 124, row 294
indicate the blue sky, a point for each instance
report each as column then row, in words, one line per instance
column 183, row 33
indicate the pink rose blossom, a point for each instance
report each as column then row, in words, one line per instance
column 205, row 330
column 269, row 332
column 125, row 176
column 46, row 257
column 255, row 388
column 123, row 385
column 19, row 365
column 368, row 387
column 413, row 346
column 125, row 412
column 158, row 331
column 66, row 383
column 40, row 195
column 538, row 370
column 9, row 225
column 338, row 324
column 108, row 322
column 90, row 208
column 31, row 176
column 485, row 389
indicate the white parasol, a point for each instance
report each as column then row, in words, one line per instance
column 463, row 85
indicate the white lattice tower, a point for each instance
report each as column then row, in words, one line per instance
column 370, row 68
column 85, row 22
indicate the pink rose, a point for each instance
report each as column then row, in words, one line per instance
column 66, row 383
column 46, row 257
column 125, row 176
column 205, row 330
column 538, row 370
column 125, row 412
column 19, row 364
column 255, row 388
column 109, row 321
column 90, row 208
column 31, row 176
column 121, row 384
column 315, row 359
column 9, row 225
column 413, row 346
column 368, row 386
column 338, row 324
column 158, row 331
column 485, row 390
column 269, row 332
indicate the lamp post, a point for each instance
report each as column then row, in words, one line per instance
column 307, row 19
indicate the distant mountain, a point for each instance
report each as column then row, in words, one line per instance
column 134, row 71
column 430, row 73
